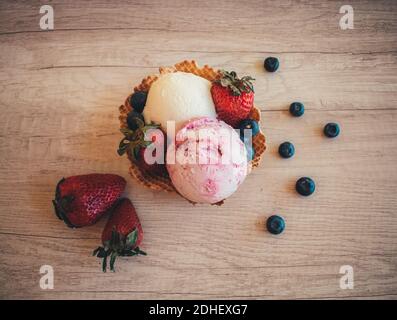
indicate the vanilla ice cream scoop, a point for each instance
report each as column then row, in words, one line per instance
column 207, row 162
column 178, row 97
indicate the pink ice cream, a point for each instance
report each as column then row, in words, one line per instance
column 207, row 161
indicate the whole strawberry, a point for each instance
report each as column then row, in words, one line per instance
column 233, row 97
column 81, row 200
column 140, row 147
column 121, row 236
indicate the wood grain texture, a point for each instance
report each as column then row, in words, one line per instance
column 59, row 93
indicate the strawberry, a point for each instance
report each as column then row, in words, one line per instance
column 155, row 168
column 136, row 142
column 121, row 236
column 233, row 97
column 81, row 200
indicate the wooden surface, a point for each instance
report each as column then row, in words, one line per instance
column 59, row 93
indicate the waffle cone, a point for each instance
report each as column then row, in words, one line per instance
column 156, row 182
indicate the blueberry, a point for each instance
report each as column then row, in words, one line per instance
column 275, row 224
column 248, row 124
column 286, row 149
column 297, row 109
column 271, row 64
column 134, row 120
column 138, row 100
column 305, row 186
column 250, row 151
column 331, row 130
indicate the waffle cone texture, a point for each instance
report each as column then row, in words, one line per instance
column 156, row 182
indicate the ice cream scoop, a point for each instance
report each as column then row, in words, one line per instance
column 207, row 161
column 178, row 97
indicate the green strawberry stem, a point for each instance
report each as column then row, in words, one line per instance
column 118, row 245
column 133, row 140
column 236, row 85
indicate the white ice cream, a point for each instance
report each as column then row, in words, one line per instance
column 178, row 96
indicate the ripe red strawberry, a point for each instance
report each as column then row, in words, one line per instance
column 81, row 200
column 121, row 236
column 137, row 142
column 233, row 97
column 145, row 155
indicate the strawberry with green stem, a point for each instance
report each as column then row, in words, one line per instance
column 121, row 236
column 233, row 97
column 135, row 144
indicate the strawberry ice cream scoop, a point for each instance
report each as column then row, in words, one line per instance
column 207, row 162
